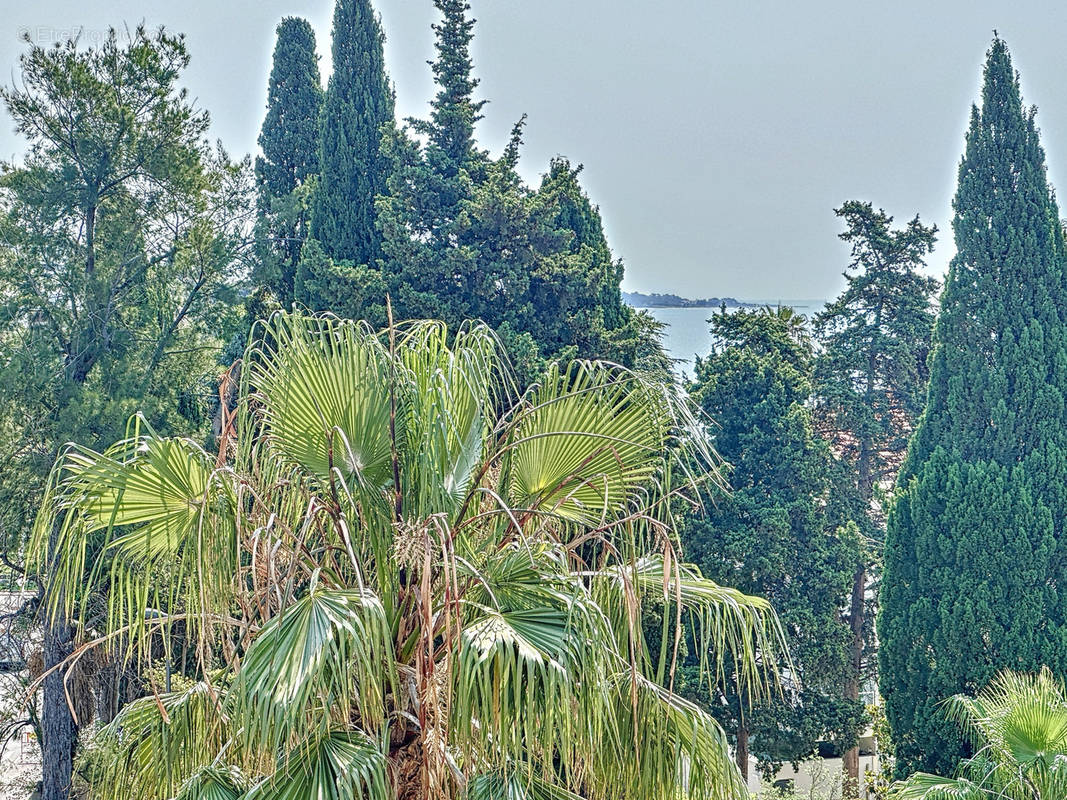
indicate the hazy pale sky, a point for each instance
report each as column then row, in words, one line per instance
column 717, row 136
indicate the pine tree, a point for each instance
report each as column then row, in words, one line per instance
column 102, row 316
column 352, row 169
column 779, row 533
column 871, row 382
column 289, row 140
column 975, row 541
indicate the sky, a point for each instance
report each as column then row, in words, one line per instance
column 716, row 136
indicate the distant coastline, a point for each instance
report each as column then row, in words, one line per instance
column 656, row 300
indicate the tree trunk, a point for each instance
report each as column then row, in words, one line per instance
column 90, row 239
column 107, row 691
column 57, row 725
column 58, row 732
column 741, row 755
column 857, row 613
column 850, row 762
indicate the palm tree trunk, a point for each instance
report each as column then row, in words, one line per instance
column 59, row 734
column 57, row 725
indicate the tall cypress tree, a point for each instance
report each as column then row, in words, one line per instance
column 975, row 542
column 353, row 172
column 289, row 140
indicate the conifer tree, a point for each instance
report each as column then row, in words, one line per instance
column 352, row 291
column 975, row 541
column 871, row 379
column 289, row 140
column 779, row 533
column 103, row 316
column 464, row 238
column 456, row 246
column 352, row 170
column 579, row 302
column 454, row 111
column 429, row 249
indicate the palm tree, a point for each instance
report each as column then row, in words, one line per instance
column 1018, row 726
column 795, row 323
column 399, row 579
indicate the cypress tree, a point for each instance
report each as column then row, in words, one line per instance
column 352, row 169
column 353, row 291
column 289, row 136
column 597, row 275
column 975, row 542
column 289, row 140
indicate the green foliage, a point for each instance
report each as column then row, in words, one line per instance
column 871, row 374
column 323, row 284
column 464, row 238
column 289, row 140
column 1017, row 726
column 352, row 170
column 575, row 296
column 870, row 386
column 122, row 246
column 456, row 247
column 975, row 538
column 401, row 583
column 337, row 765
column 122, row 237
column 779, row 533
column 877, row 783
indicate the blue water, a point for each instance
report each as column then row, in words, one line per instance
column 688, row 334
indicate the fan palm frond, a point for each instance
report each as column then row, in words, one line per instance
column 339, row 765
column 331, row 650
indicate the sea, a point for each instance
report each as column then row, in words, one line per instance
column 688, row 334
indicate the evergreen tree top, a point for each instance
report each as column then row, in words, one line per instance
column 358, row 45
column 1006, row 222
column 294, row 97
column 359, row 103
column 576, row 211
column 997, row 372
column 359, row 88
column 454, row 109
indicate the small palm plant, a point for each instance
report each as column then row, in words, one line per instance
column 1018, row 726
column 398, row 579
